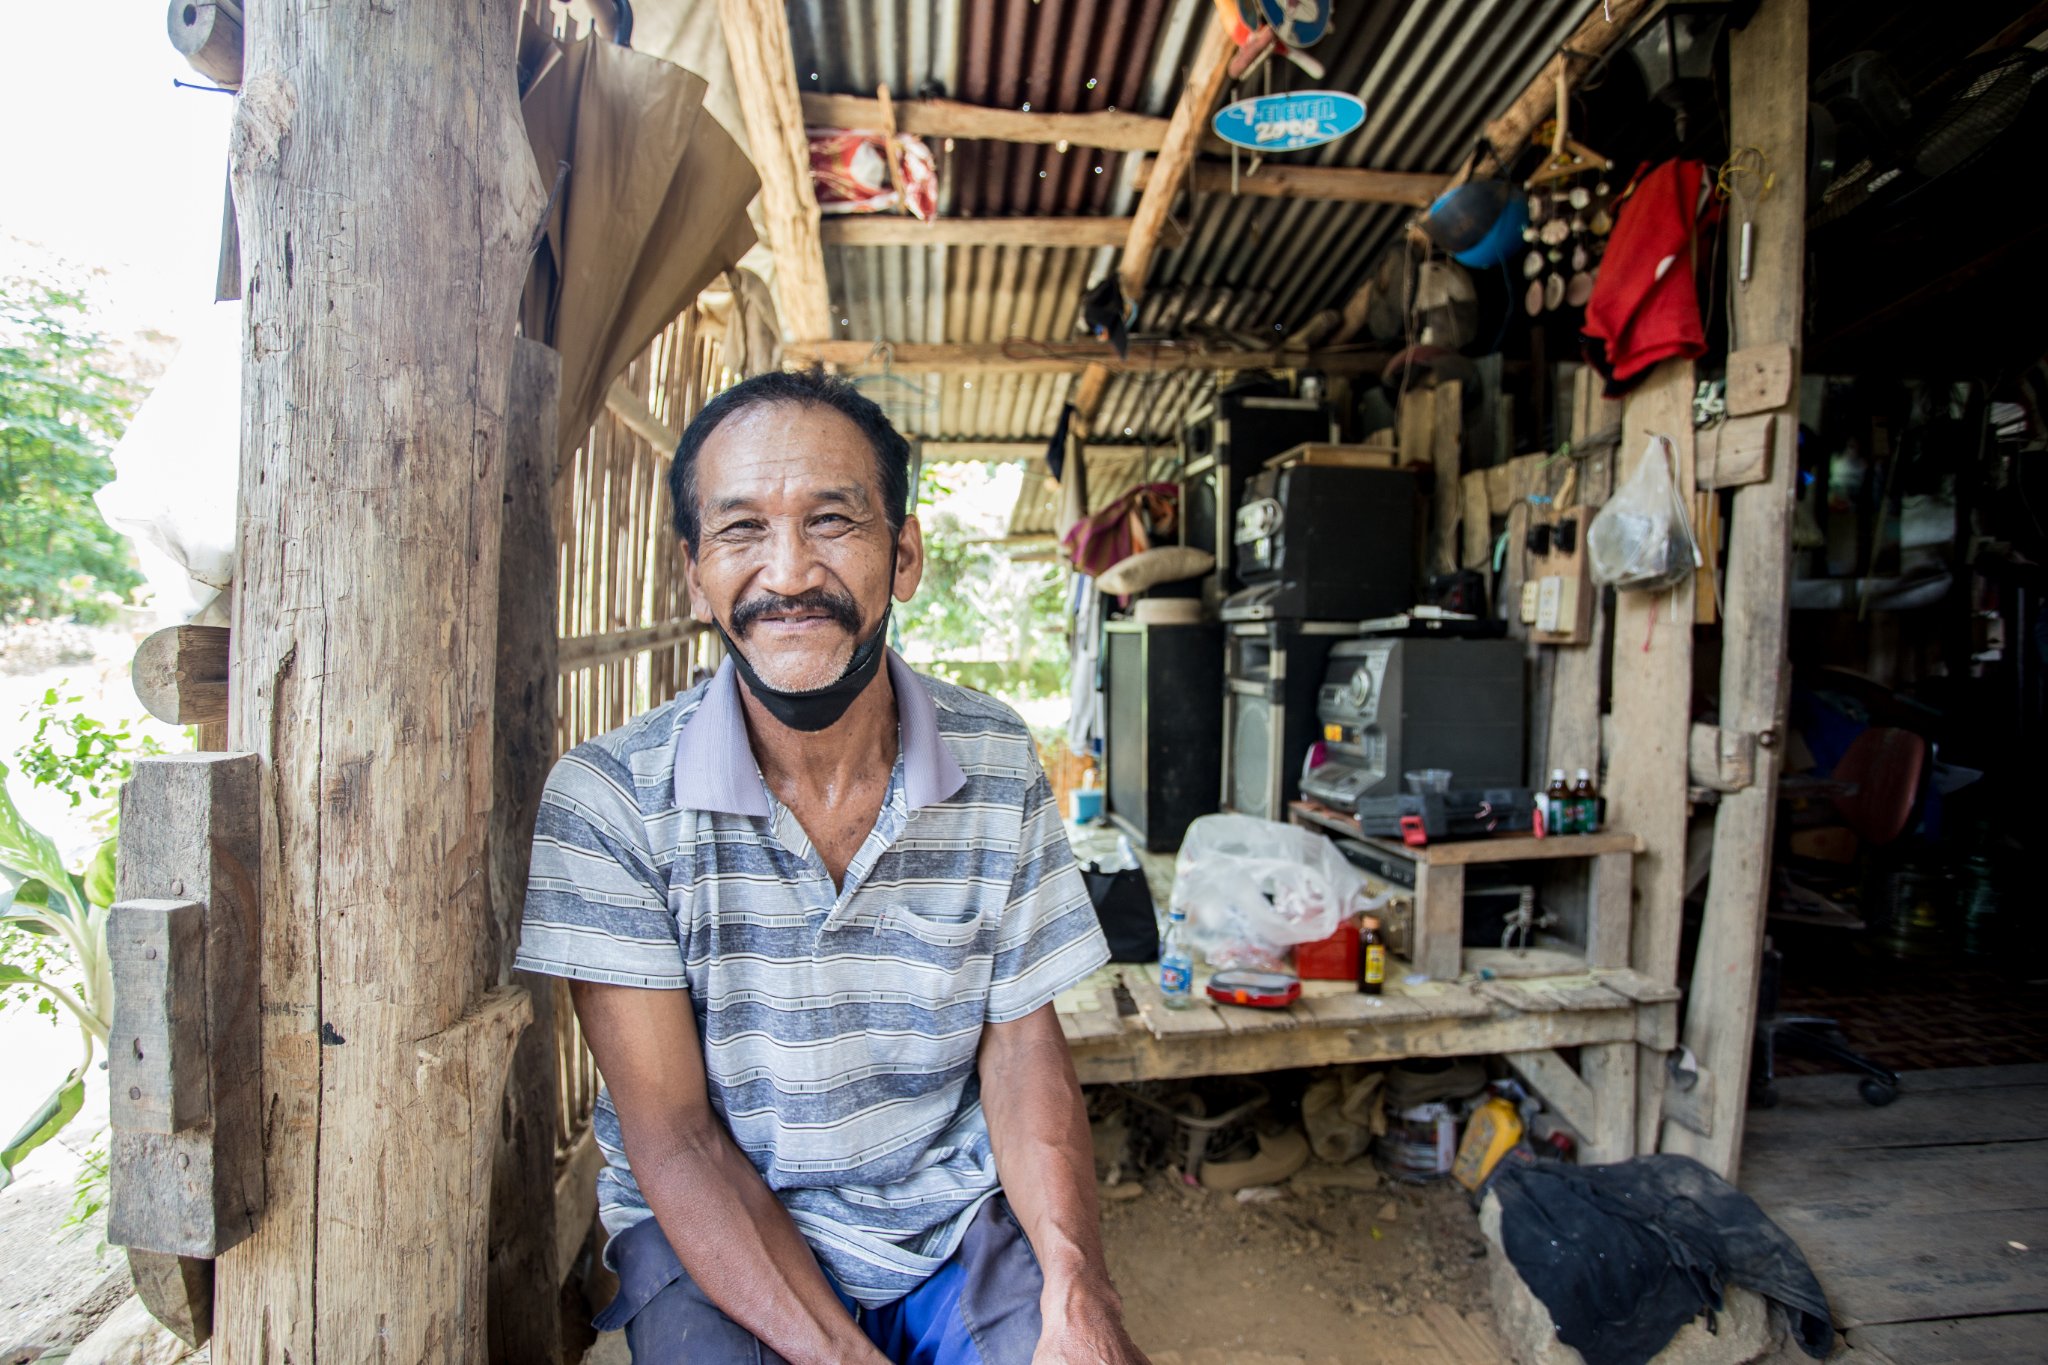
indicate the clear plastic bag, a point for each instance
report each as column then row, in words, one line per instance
column 1252, row 889
column 1642, row 539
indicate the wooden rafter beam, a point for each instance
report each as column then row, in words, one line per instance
column 1031, row 357
column 1279, row 180
column 895, row 230
column 1169, row 171
column 1112, row 131
column 983, row 452
column 1603, row 26
column 764, row 73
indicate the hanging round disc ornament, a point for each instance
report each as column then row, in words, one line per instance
column 1286, row 123
column 1297, row 23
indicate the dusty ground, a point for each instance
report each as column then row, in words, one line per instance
column 1316, row 1274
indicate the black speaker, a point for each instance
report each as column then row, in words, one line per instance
column 1274, row 673
column 1225, row 442
column 1163, row 711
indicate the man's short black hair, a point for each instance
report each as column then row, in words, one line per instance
column 811, row 387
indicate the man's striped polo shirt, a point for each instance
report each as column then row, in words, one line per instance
column 839, row 1027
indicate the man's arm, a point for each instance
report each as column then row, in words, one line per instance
column 731, row 1233
column 1046, row 1158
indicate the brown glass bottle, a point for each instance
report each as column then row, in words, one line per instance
column 1372, row 955
column 1585, row 804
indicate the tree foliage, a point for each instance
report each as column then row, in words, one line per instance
column 988, row 620
column 60, row 411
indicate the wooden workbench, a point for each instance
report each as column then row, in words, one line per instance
column 1603, row 1013
column 1438, row 933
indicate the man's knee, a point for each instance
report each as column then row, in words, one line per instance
column 668, row 1320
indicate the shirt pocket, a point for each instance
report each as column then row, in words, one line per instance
column 940, row 931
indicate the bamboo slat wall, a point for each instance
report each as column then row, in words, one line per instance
column 618, row 571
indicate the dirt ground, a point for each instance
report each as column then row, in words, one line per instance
column 1316, row 1274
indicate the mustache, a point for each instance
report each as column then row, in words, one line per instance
column 837, row 606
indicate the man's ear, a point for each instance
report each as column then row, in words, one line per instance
column 909, row 559
column 700, row 606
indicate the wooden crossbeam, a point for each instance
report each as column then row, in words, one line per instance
column 894, row 230
column 764, row 73
column 1277, row 180
column 1114, row 131
column 950, row 357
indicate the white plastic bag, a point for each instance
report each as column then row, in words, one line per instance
column 1252, row 889
column 1642, row 539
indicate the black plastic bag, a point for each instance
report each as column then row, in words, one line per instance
column 1123, row 906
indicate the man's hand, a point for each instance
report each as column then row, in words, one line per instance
column 1085, row 1327
column 1046, row 1158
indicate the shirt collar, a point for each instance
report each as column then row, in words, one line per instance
column 716, row 770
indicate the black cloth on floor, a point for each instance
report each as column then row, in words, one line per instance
column 1625, row 1255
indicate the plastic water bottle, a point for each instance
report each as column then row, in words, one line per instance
column 1176, row 962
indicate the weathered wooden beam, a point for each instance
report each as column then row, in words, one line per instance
column 986, row 452
column 525, row 1275
column 1114, row 131
column 880, row 229
column 1767, row 75
column 1285, row 180
column 585, row 651
column 378, row 343
column 209, row 34
column 1065, row 357
column 1647, row 777
column 180, row 675
column 185, row 1160
column 764, row 75
column 1176, row 154
column 630, row 408
column 1562, row 1088
column 1606, row 23
column 1155, row 206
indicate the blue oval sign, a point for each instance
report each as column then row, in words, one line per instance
column 1286, row 123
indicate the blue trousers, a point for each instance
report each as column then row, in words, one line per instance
column 980, row 1309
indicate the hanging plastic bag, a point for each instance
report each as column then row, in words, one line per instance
column 1252, row 889
column 1642, row 539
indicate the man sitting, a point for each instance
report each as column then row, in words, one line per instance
column 814, row 912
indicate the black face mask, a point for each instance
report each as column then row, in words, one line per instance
column 821, row 707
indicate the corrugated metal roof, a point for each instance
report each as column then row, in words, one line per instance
column 1430, row 71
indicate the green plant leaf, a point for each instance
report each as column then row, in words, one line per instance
column 98, row 883
column 11, row 975
column 26, row 850
column 48, row 1121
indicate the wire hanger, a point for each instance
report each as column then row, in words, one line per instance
column 1568, row 156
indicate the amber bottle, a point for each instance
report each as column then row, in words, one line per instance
column 1372, row 956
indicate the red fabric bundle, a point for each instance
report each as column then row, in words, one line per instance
column 1645, row 306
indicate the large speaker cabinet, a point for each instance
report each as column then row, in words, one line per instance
column 1163, row 702
column 1224, row 443
column 1274, row 672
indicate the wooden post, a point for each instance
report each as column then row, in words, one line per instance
column 1652, row 713
column 1767, row 102
column 1438, row 949
column 387, row 196
column 764, row 74
column 526, row 1323
column 185, row 1161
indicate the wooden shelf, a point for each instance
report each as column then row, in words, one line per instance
column 1495, row 848
column 1437, row 940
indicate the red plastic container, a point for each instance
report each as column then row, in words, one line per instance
column 1331, row 959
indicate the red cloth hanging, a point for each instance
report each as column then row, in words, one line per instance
column 1645, row 306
